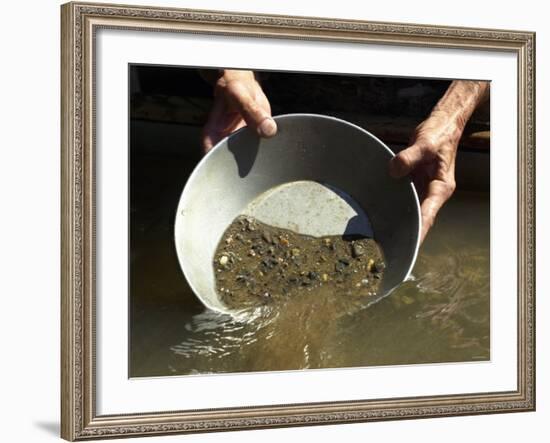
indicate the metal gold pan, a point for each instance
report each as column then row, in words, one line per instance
column 319, row 176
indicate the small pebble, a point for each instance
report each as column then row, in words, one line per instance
column 407, row 300
column 267, row 237
column 370, row 265
column 223, row 260
column 313, row 275
column 357, row 250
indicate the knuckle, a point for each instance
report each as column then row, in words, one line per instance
column 403, row 157
column 220, row 87
column 450, row 187
column 422, row 140
column 233, row 90
column 251, row 107
column 229, row 89
column 430, row 145
column 407, row 155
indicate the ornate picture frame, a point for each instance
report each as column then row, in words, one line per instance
column 80, row 22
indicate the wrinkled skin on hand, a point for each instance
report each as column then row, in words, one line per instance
column 238, row 101
column 430, row 161
column 430, row 158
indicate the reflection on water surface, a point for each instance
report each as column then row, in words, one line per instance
column 440, row 315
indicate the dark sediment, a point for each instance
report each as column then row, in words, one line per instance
column 255, row 264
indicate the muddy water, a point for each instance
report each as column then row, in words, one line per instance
column 441, row 315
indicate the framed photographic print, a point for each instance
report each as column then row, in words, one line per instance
column 281, row 221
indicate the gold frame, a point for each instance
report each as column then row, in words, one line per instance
column 79, row 21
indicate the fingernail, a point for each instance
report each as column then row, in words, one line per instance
column 268, row 128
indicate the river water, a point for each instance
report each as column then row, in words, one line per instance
column 441, row 315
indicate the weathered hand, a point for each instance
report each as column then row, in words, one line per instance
column 238, row 101
column 430, row 161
